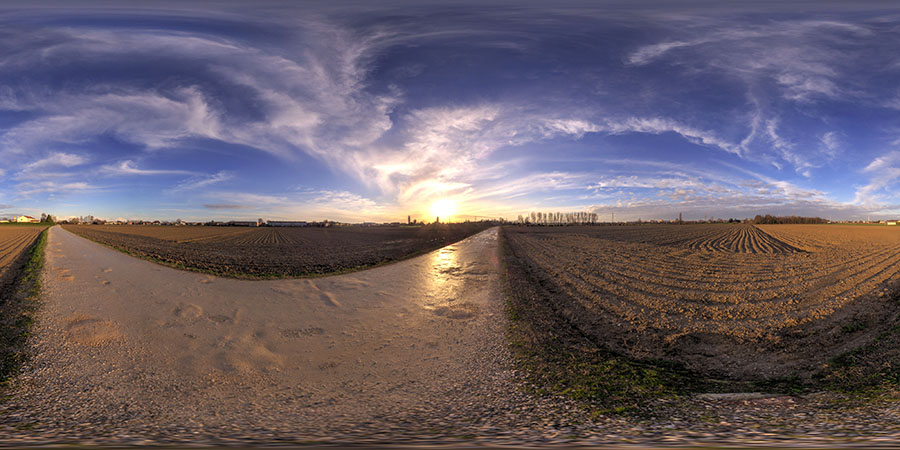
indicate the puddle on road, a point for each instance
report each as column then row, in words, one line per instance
column 445, row 281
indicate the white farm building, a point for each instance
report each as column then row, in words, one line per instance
column 26, row 219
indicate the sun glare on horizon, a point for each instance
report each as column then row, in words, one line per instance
column 443, row 208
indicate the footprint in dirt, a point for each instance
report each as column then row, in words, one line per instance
column 246, row 356
column 189, row 311
column 233, row 319
column 89, row 331
column 329, row 299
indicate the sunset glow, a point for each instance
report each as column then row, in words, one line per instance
column 443, row 208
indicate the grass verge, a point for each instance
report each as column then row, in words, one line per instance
column 17, row 311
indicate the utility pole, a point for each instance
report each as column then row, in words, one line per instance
column 613, row 219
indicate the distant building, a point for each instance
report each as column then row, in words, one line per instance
column 242, row 223
column 26, row 219
column 287, row 223
column 892, row 222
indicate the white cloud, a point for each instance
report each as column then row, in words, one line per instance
column 57, row 159
column 701, row 196
column 28, row 189
column 647, row 54
column 202, row 181
column 129, row 168
column 313, row 103
column 800, row 56
column 829, row 144
column 884, row 174
column 658, row 125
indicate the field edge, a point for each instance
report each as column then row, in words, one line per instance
column 558, row 359
column 17, row 312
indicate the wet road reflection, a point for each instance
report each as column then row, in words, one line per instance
column 443, row 282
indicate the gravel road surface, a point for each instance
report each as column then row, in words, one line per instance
column 128, row 352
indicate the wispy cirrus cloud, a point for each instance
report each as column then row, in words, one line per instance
column 129, row 167
column 884, row 173
column 31, row 188
column 225, row 206
column 60, row 159
column 204, row 181
column 804, row 58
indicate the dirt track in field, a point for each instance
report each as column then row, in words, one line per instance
column 733, row 300
column 125, row 350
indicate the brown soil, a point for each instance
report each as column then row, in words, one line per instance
column 14, row 240
column 275, row 252
column 15, row 308
column 734, row 301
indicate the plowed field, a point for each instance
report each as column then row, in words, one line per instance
column 733, row 300
column 14, row 240
column 278, row 252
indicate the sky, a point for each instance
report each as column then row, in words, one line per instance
column 373, row 111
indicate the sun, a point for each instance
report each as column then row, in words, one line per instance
column 444, row 209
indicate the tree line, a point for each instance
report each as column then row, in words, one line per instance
column 770, row 219
column 558, row 218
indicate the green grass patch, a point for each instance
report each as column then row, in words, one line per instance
column 853, row 327
column 18, row 309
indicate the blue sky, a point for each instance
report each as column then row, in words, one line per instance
column 375, row 110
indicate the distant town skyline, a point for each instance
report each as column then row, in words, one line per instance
column 361, row 111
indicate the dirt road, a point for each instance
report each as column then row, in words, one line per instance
column 127, row 350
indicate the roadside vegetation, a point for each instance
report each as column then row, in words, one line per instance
column 19, row 300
